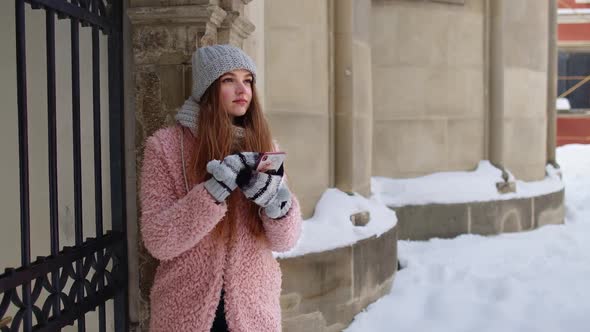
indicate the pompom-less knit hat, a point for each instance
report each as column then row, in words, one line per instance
column 210, row 62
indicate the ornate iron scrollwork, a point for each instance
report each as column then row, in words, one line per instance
column 100, row 271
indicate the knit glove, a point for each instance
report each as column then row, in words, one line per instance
column 225, row 172
column 259, row 187
column 279, row 206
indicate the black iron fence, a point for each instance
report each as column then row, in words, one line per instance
column 95, row 268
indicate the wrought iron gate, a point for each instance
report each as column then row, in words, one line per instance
column 96, row 267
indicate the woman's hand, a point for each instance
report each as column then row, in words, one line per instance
column 226, row 171
column 281, row 204
column 267, row 190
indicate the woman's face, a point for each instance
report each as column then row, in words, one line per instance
column 236, row 91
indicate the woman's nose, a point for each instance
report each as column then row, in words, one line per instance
column 240, row 87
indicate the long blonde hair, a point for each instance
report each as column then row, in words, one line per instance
column 214, row 140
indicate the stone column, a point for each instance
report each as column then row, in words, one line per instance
column 353, row 96
column 496, row 83
column 497, row 97
column 296, row 92
column 518, row 89
column 163, row 39
column 552, row 84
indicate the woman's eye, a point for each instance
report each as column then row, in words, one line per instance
column 249, row 82
column 227, row 80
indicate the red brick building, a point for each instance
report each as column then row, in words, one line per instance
column 574, row 70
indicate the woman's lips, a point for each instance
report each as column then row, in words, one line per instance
column 241, row 101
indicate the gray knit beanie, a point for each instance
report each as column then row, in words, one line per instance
column 210, row 62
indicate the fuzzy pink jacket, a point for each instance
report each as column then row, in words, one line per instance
column 194, row 265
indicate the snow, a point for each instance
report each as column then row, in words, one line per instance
column 562, row 104
column 330, row 227
column 458, row 187
column 573, row 11
column 530, row 281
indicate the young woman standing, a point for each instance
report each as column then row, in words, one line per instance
column 209, row 218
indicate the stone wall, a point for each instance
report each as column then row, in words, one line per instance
column 423, row 222
column 428, row 87
column 455, row 83
column 324, row 291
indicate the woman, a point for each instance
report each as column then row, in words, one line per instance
column 207, row 215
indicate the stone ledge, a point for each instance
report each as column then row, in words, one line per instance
column 189, row 14
column 324, row 291
column 423, row 222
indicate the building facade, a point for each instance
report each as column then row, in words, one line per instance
column 574, row 71
column 352, row 89
column 355, row 89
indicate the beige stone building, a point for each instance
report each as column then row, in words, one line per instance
column 360, row 88
column 352, row 89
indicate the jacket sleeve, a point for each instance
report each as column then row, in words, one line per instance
column 171, row 226
column 283, row 233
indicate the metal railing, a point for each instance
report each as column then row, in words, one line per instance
column 96, row 267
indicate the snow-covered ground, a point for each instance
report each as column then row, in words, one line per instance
column 531, row 281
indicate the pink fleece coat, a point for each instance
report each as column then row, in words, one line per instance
column 194, row 264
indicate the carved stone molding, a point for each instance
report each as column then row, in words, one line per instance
column 219, row 24
column 192, row 14
column 234, row 5
column 235, row 29
column 451, row 2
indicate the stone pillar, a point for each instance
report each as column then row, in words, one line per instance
column 496, row 83
column 496, row 96
column 552, row 84
column 296, row 92
column 254, row 46
column 353, row 96
column 163, row 39
column 525, row 56
column 518, row 88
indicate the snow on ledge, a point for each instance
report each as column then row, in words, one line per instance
column 459, row 187
column 573, row 11
column 562, row 104
column 331, row 228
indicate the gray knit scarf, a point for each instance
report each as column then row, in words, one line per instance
column 188, row 116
